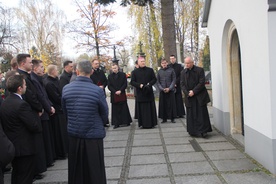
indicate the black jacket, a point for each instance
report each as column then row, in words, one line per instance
column 117, row 82
column 177, row 69
column 64, row 79
column 42, row 95
column 195, row 77
column 31, row 93
column 19, row 124
column 98, row 77
column 52, row 88
column 7, row 149
column 146, row 77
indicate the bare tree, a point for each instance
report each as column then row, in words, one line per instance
column 42, row 27
column 8, row 37
column 92, row 29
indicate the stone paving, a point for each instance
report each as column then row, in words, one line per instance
column 168, row 155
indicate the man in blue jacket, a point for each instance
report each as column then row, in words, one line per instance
column 86, row 109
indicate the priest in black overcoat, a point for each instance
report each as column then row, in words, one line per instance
column 180, row 111
column 117, row 84
column 143, row 78
column 196, row 99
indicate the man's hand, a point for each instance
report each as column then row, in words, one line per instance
column 191, row 93
column 166, row 90
column 118, row 92
column 141, row 86
column 53, row 111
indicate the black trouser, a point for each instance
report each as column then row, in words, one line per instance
column 23, row 169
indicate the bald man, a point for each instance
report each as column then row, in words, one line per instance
column 196, row 99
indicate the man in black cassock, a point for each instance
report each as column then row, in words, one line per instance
column 98, row 77
column 57, row 120
column 117, row 83
column 180, row 111
column 36, row 77
column 196, row 99
column 165, row 82
column 143, row 78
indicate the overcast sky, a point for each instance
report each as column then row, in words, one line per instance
column 120, row 21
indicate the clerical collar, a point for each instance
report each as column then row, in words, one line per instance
column 18, row 95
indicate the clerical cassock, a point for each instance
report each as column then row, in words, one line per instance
column 193, row 81
column 117, row 83
column 180, row 111
column 166, row 84
column 143, row 78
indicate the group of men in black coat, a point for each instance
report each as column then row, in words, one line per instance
column 25, row 116
column 172, row 80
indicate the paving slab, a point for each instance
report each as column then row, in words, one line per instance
column 114, row 151
column 175, row 134
column 148, row 171
column 179, row 148
column 192, row 168
column 177, row 140
column 147, row 150
column 234, row 165
column 147, row 136
column 114, row 161
column 114, row 144
column 214, row 137
column 200, row 179
column 149, row 181
column 148, row 159
column 151, row 142
column 186, row 157
column 249, row 178
column 174, row 129
column 119, row 137
column 224, row 155
column 146, row 130
column 113, row 172
column 216, row 146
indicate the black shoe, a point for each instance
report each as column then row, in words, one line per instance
column 7, row 169
column 173, row 121
column 106, row 125
column 116, row 126
column 50, row 165
column 164, row 121
column 38, row 176
column 203, row 135
column 180, row 116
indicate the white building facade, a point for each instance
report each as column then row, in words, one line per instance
column 243, row 63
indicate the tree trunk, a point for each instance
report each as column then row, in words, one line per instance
column 168, row 28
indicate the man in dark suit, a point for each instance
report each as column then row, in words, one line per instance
column 196, row 99
column 20, row 126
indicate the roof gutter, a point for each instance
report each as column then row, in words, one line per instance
column 271, row 5
column 206, row 11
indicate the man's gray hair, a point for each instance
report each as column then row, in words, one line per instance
column 84, row 67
